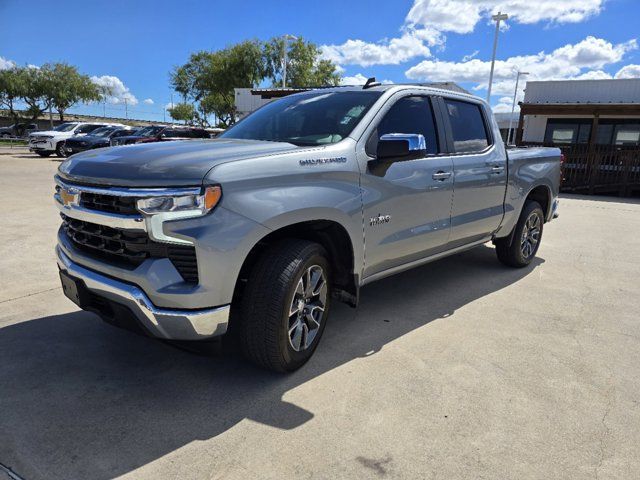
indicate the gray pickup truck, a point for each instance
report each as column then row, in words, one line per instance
column 301, row 203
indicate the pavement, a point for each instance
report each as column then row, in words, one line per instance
column 459, row 369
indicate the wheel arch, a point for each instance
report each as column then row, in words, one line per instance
column 332, row 235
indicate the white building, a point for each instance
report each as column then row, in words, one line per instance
column 569, row 112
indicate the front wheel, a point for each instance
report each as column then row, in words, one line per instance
column 525, row 239
column 285, row 305
column 60, row 151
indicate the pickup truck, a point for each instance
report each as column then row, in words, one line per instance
column 46, row 142
column 299, row 204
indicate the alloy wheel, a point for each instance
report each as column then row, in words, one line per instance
column 307, row 308
column 530, row 235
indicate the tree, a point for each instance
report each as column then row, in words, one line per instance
column 183, row 112
column 66, row 87
column 10, row 91
column 305, row 68
column 207, row 80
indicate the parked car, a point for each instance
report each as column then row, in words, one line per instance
column 272, row 217
column 52, row 141
column 18, row 130
column 157, row 133
column 99, row 138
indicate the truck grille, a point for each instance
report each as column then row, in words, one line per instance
column 109, row 203
column 127, row 248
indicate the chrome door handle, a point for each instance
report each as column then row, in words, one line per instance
column 440, row 175
column 497, row 169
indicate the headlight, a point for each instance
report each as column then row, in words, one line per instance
column 184, row 205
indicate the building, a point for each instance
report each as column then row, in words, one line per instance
column 597, row 125
column 506, row 120
column 568, row 112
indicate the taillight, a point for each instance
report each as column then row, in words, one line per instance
column 562, row 160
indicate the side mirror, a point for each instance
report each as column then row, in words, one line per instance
column 401, row 146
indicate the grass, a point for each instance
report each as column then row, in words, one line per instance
column 6, row 142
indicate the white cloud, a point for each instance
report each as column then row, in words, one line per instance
column 461, row 16
column 629, row 71
column 428, row 20
column 119, row 92
column 5, row 63
column 359, row 79
column 471, row 56
column 169, row 105
column 148, row 101
column 583, row 60
column 412, row 43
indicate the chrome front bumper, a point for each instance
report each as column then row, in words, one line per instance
column 160, row 322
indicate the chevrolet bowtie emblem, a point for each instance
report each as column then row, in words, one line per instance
column 68, row 199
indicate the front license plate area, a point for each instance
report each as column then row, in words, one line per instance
column 71, row 288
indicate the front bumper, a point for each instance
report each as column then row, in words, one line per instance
column 162, row 323
column 42, row 145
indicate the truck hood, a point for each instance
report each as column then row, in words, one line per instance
column 162, row 164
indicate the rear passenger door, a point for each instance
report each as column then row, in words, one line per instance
column 480, row 172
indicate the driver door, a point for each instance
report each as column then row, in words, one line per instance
column 407, row 203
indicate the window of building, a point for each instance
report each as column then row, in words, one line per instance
column 567, row 131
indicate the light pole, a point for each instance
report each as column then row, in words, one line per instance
column 286, row 38
column 513, row 105
column 497, row 18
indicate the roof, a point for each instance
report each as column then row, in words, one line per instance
column 267, row 93
column 580, row 92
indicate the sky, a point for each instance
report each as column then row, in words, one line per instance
column 133, row 45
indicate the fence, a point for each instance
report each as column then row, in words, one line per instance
column 603, row 169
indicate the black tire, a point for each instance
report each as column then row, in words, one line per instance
column 60, row 152
column 44, row 154
column 265, row 319
column 517, row 254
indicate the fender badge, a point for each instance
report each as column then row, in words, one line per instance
column 320, row 161
column 379, row 220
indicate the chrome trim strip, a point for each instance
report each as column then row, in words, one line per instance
column 161, row 322
column 129, row 192
column 113, row 220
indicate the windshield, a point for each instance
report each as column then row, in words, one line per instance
column 317, row 118
column 148, row 131
column 65, row 127
column 103, row 131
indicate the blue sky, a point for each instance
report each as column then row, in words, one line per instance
column 136, row 43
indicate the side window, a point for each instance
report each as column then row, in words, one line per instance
column 468, row 126
column 407, row 115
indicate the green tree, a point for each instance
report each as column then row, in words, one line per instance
column 67, row 87
column 208, row 79
column 11, row 83
column 183, row 112
column 305, row 68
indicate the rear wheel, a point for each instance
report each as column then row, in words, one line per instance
column 60, row 151
column 285, row 305
column 525, row 240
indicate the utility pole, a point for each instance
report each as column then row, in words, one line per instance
column 50, row 117
column 497, row 18
column 126, row 110
column 104, row 109
column 286, row 39
column 513, row 105
column 172, row 107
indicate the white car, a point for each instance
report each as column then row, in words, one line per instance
column 52, row 141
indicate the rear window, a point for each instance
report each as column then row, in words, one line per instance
column 468, row 127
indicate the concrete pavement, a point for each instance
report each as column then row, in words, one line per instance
column 459, row 369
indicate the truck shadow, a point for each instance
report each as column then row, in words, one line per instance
column 81, row 399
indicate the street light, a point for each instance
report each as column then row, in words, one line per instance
column 513, row 105
column 286, row 38
column 496, row 18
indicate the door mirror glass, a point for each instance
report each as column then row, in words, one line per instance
column 401, row 146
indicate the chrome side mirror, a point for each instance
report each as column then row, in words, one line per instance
column 403, row 146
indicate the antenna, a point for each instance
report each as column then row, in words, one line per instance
column 371, row 82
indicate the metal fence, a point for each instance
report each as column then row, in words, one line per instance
column 600, row 169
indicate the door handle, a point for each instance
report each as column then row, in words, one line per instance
column 497, row 169
column 441, row 175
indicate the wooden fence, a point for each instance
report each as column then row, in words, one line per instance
column 602, row 169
